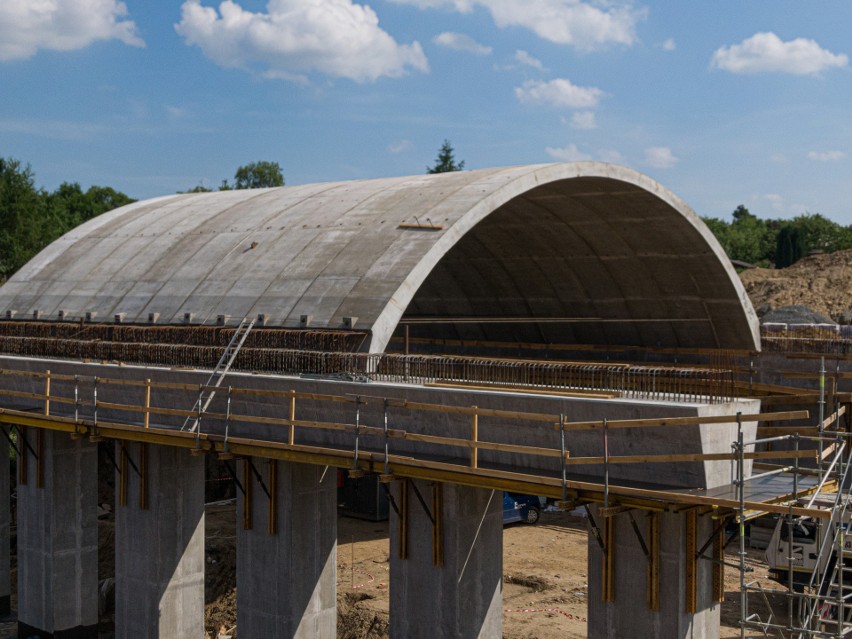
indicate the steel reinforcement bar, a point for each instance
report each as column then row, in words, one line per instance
column 708, row 384
column 65, row 333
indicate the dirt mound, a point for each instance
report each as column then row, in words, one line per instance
column 823, row 283
column 357, row 622
column 533, row 582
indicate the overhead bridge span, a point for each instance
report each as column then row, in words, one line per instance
column 569, row 330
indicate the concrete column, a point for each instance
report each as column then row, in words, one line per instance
column 5, row 517
column 58, row 537
column 628, row 614
column 159, row 545
column 287, row 550
column 463, row 596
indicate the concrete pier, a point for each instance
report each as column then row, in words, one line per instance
column 286, row 550
column 446, row 581
column 685, row 604
column 159, row 543
column 57, row 537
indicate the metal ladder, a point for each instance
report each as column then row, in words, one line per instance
column 827, row 613
column 208, row 391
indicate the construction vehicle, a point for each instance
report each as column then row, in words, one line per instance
column 811, row 558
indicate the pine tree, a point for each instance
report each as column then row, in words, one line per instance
column 445, row 162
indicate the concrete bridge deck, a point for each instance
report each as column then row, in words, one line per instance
column 447, row 448
column 582, row 253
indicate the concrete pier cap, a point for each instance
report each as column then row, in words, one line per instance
column 582, row 252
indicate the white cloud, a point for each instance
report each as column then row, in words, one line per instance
column 462, row 6
column 558, row 93
column 669, row 45
column 660, row 157
column 61, row 25
column 610, row 155
column 584, row 25
column 568, row 153
column 400, row 146
column 780, row 158
column 526, row 59
column 53, row 129
column 584, row 120
column 176, row 113
column 571, row 153
column 826, row 156
column 766, row 52
column 335, row 37
column 775, row 201
column 461, row 42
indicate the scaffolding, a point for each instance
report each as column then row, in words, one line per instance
column 817, row 601
column 821, row 607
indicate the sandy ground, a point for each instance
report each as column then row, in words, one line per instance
column 545, row 586
column 544, row 578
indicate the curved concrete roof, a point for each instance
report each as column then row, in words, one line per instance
column 607, row 253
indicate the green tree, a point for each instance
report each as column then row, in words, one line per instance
column 790, row 247
column 747, row 238
column 31, row 218
column 22, row 216
column 751, row 239
column 445, row 162
column 69, row 206
column 257, row 175
column 776, row 241
column 104, row 198
column 720, row 230
column 742, row 213
column 820, row 233
column 198, row 188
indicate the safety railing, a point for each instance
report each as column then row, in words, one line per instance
column 143, row 410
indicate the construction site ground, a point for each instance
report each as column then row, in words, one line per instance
column 545, row 586
column 823, row 283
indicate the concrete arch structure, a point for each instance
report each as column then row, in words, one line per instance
column 573, row 253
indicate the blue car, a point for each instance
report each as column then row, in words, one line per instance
column 525, row 508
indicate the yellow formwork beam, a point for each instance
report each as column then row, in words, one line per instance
column 400, row 466
column 690, row 562
column 652, row 570
column 719, row 565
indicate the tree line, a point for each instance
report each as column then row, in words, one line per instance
column 32, row 217
column 777, row 242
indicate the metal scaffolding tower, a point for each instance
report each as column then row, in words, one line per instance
column 819, row 605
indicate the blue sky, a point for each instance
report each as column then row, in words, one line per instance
column 725, row 102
